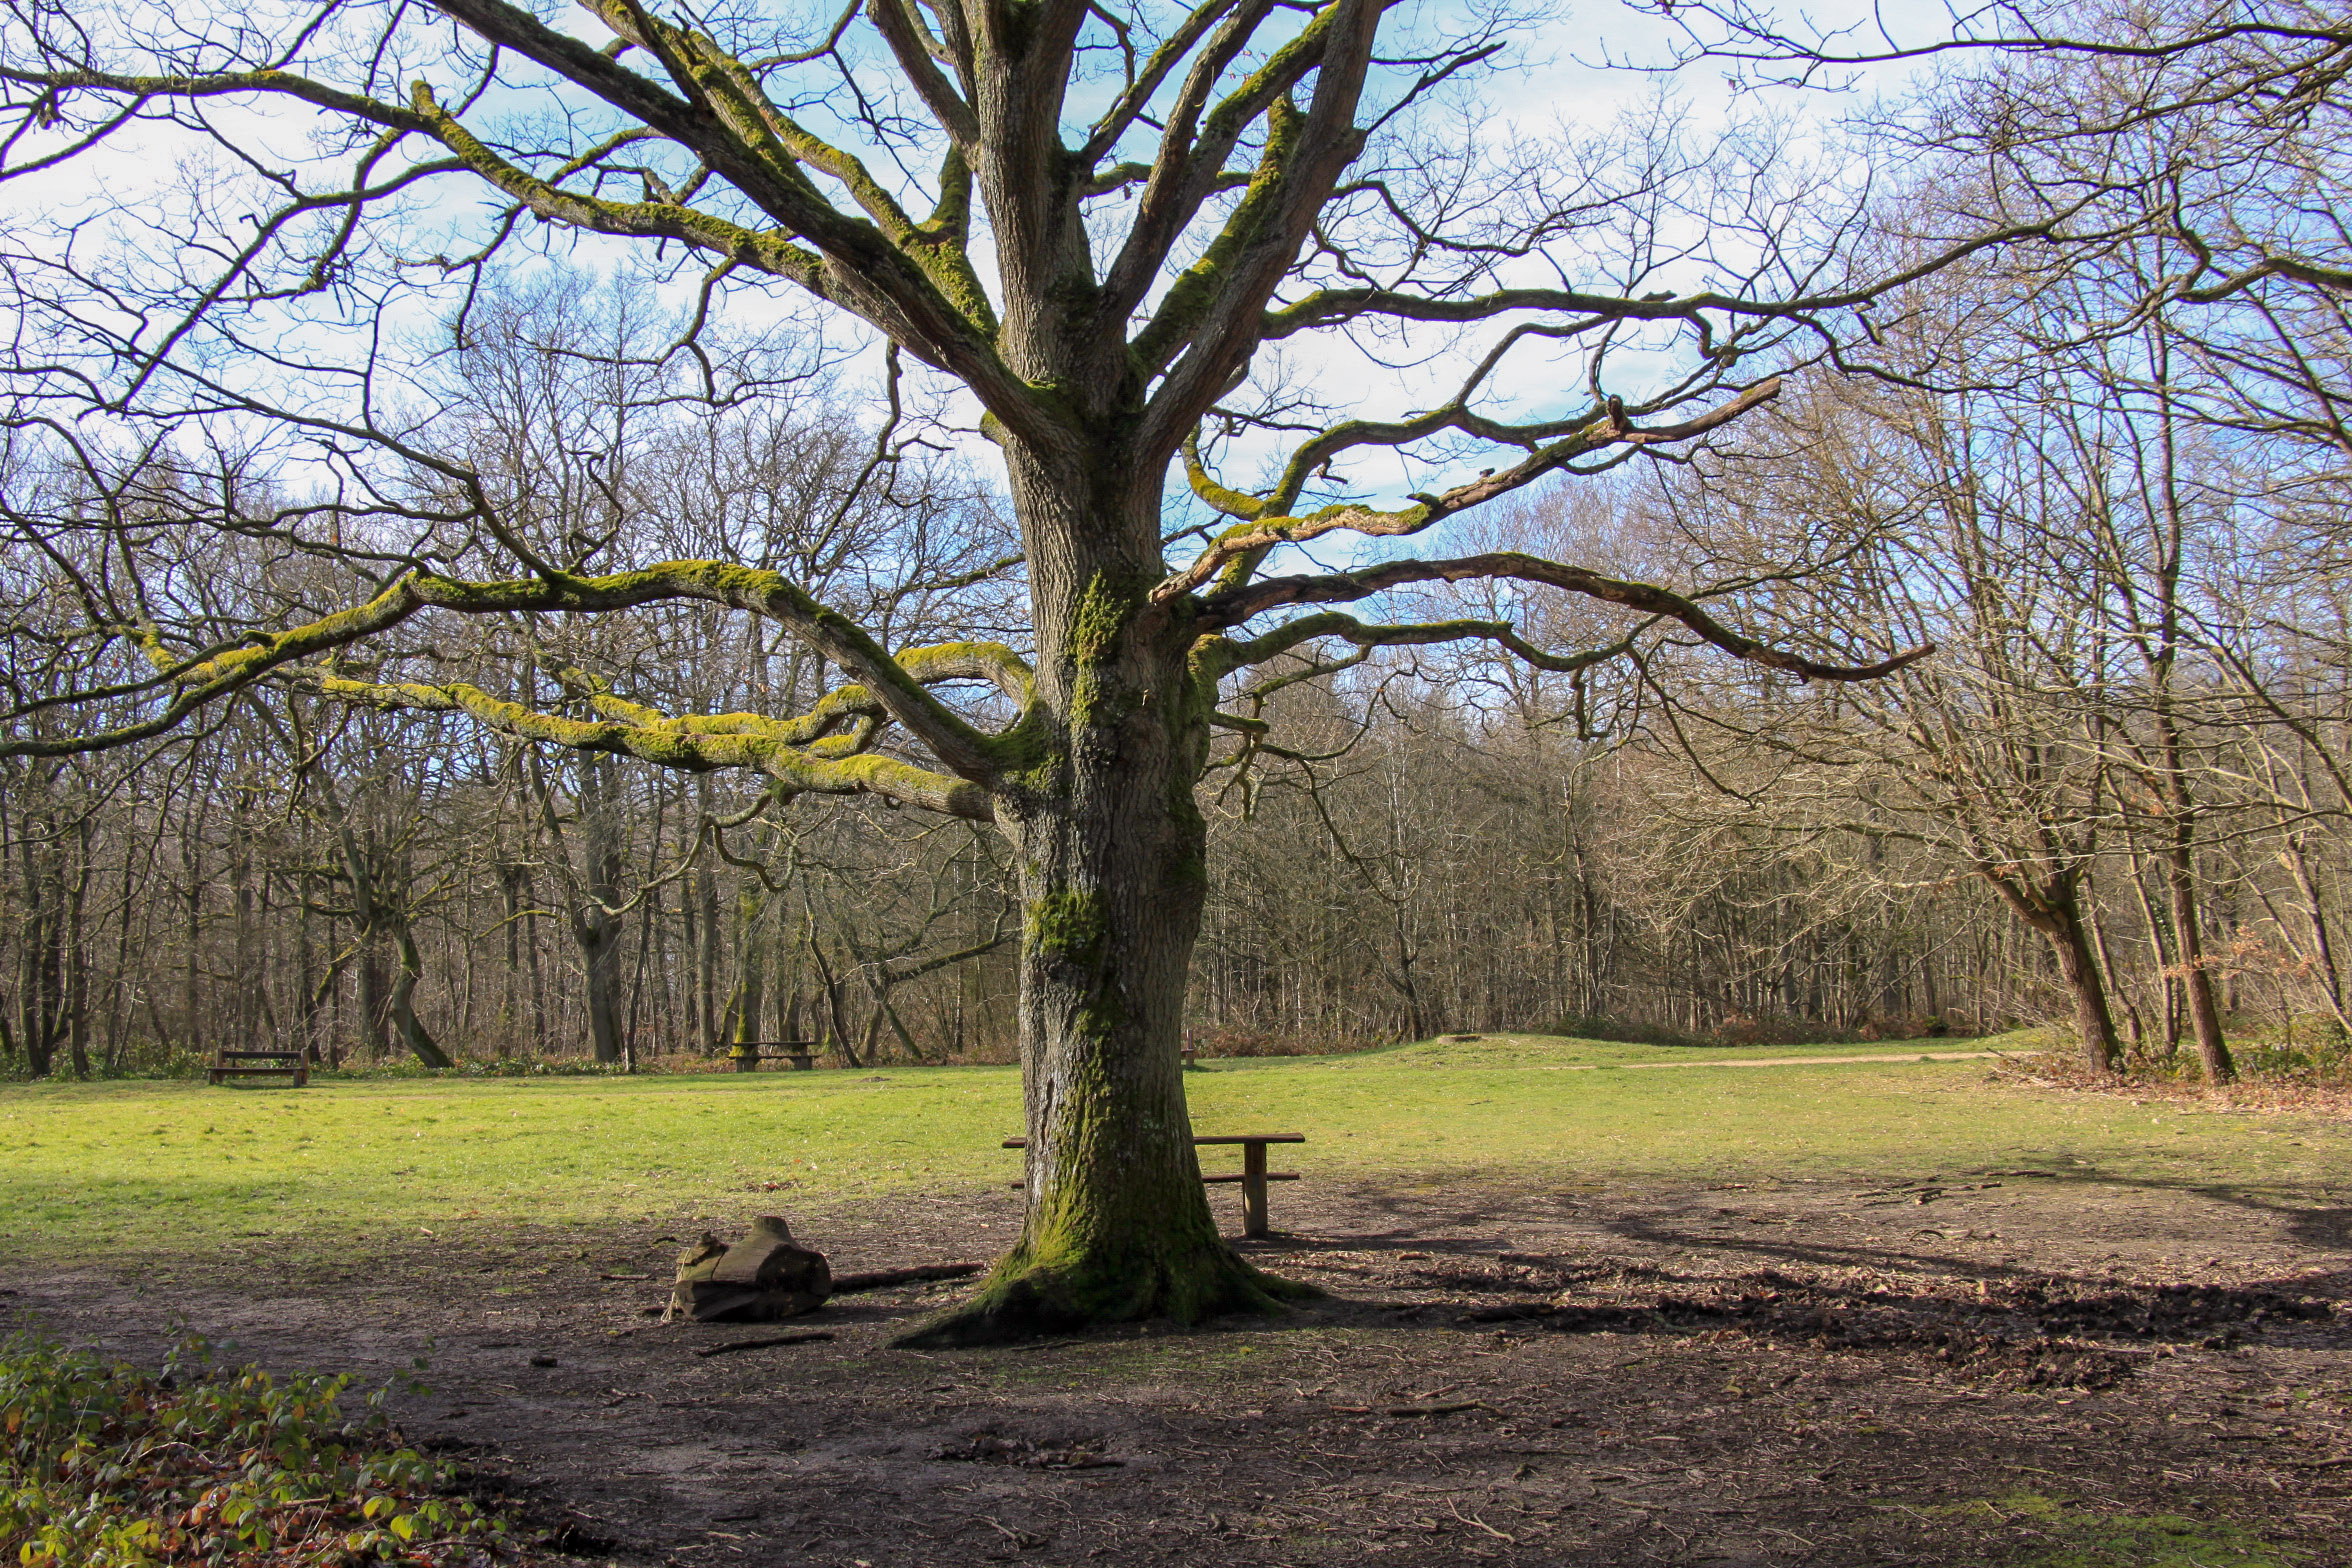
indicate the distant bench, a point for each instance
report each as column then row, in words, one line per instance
column 1253, row 1174
column 802, row 1054
column 243, row 1064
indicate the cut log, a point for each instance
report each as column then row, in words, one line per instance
column 761, row 1278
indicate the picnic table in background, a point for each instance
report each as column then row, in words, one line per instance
column 259, row 1064
column 745, row 1054
column 1253, row 1175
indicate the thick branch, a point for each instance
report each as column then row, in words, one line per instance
column 1605, row 427
column 854, row 772
column 1234, row 655
column 899, row 691
column 1232, row 608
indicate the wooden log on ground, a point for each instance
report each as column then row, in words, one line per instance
column 763, row 1277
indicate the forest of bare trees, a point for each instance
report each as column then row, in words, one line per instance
column 2123, row 778
column 2104, row 479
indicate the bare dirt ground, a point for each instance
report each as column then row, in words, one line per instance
column 2010, row 1368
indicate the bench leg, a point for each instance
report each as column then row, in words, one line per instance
column 1253, row 1190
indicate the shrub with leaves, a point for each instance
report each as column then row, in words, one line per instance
column 103, row 1465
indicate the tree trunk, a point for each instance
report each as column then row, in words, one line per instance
column 2054, row 910
column 2167, row 984
column 598, row 934
column 1112, row 851
column 596, row 902
column 374, row 1003
column 75, row 992
column 401, row 1009
column 2103, row 949
column 2331, row 983
column 2078, row 966
column 2213, row 1052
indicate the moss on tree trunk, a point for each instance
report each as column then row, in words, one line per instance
column 1112, row 852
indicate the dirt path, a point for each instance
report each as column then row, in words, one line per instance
column 1998, row 1370
column 1783, row 1061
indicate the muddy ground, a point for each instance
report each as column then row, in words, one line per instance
column 1999, row 1368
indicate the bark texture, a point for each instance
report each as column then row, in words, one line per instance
column 1113, row 875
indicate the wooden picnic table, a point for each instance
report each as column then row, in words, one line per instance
column 745, row 1054
column 1253, row 1175
column 246, row 1064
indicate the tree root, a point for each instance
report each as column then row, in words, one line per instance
column 1023, row 1299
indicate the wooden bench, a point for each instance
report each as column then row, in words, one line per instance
column 283, row 1063
column 1253, row 1174
column 802, row 1054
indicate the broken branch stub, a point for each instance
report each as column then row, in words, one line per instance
column 763, row 1277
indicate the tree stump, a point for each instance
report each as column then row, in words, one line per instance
column 763, row 1277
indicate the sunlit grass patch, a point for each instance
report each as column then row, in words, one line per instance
column 159, row 1167
column 2051, row 1533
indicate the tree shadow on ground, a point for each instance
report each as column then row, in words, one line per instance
column 2000, row 1319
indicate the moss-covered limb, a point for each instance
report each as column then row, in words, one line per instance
column 895, row 286
column 1192, row 292
column 993, row 662
column 1231, row 502
column 896, row 686
column 224, row 84
column 771, row 251
column 948, row 231
column 837, row 765
column 226, row 671
column 1220, row 325
column 952, row 739
column 726, row 89
column 1122, row 115
column 1226, row 610
column 1262, row 536
column 1548, row 442
column 1189, row 167
column 1232, row 558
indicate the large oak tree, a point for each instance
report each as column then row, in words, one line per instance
column 1116, row 226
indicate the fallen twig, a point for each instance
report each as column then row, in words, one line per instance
column 882, row 1279
column 761, row 1344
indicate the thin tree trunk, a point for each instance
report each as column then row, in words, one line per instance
column 2213, row 1052
column 2054, row 910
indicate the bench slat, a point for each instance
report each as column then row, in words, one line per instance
column 1231, row 1137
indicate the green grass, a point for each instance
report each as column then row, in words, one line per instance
column 172, row 1166
column 2074, row 1536
column 1559, row 1051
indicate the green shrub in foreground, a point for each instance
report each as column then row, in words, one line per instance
column 105, row 1466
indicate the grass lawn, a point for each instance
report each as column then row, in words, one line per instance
column 160, row 1167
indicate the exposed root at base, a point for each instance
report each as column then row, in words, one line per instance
column 1022, row 1301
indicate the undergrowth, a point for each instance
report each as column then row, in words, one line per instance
column 103, row 1465
column 2283, row 1059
